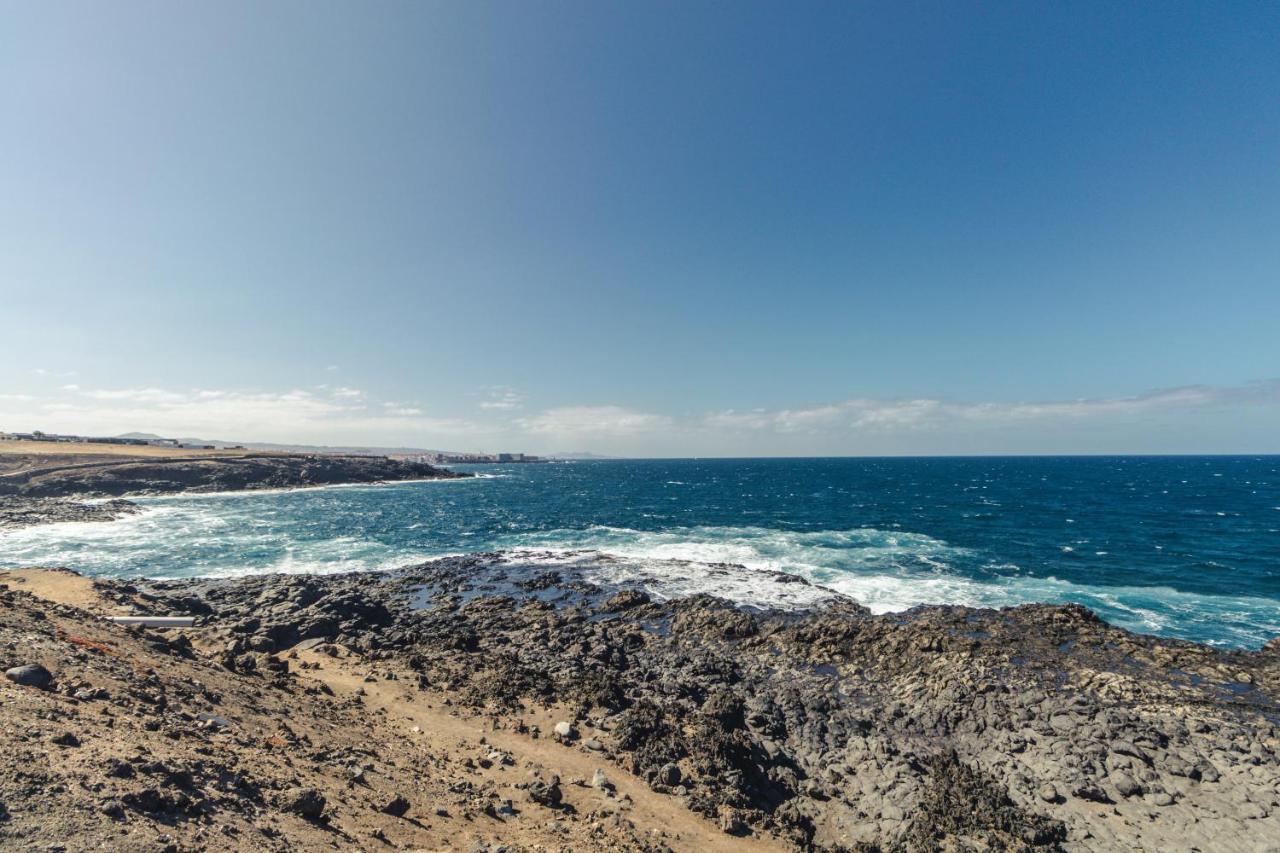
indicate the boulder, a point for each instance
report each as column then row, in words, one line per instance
column 546, row 793
column 30, row 675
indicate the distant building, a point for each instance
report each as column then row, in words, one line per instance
column 476, row 458
column 89, row 439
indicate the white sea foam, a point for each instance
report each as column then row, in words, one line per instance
column 665, row 577
column 243, row 493
column 886, row 570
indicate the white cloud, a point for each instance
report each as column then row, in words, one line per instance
column 594, row 420
column 399, row 410
column 502, row 398
column 862, row 414
column 347, row 415
column 137, row 395
column 292, row 416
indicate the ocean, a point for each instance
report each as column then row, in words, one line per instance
column 1185, row 547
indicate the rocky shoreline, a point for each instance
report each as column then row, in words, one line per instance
column 45, row 494
column 829, row 728
column 24, row 512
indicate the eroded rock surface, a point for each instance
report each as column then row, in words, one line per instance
column 830, row 728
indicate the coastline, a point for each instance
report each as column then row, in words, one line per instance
column 274, row 490
column 1035, row 727
column 98, row 491
column 497, row 684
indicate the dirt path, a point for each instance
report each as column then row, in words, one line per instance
column 139, row 744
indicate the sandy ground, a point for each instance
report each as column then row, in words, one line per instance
column 122, row 755
column 18, row 456
column 60, row 586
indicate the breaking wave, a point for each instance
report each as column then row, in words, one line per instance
column 1130, row 580
column 890, row 571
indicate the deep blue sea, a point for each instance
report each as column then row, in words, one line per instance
column 1179, row 546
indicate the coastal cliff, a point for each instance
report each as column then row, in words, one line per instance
column 516, row 704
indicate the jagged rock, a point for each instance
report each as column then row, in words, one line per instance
column 546, row 793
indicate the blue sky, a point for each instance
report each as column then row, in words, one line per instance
column 647, row 228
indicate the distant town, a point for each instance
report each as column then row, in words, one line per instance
column 474, row 458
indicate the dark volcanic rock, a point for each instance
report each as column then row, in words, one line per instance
column 960, row 802
column 30, row 675
column 212, row 474
column 938, row 728
column 625, row 600
column 546, row 793
column 23, row 511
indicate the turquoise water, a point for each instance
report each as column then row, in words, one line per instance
column 1178, row 546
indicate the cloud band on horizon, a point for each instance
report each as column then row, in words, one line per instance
column 348, row 415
